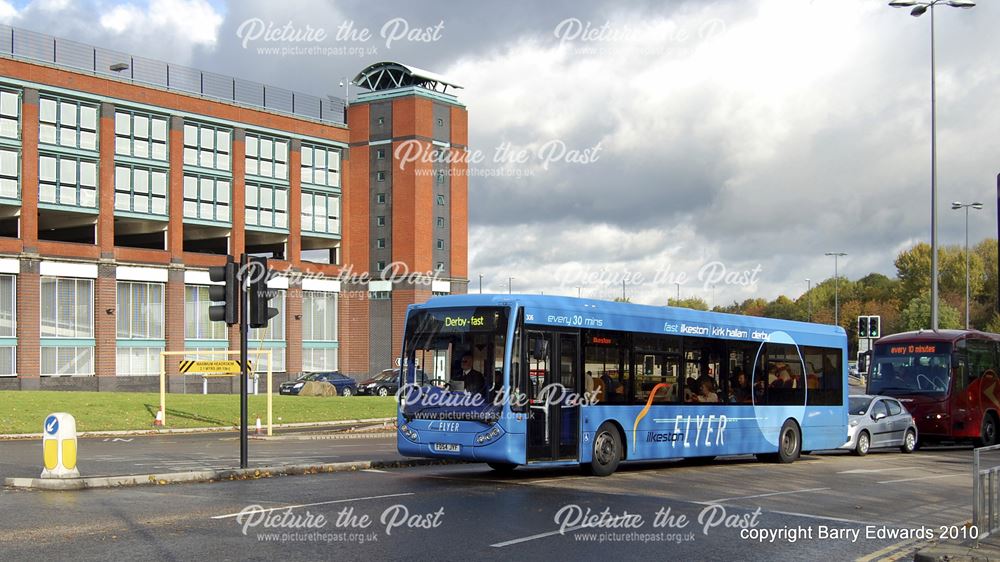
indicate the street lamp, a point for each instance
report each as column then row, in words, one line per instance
column 480, row 283
column 977, row 206
column 809, row 302
column 919, row 7
column 510, row 281
column 836, row 286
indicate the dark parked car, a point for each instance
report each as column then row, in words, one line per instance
column 386, row 383
column 344, row 384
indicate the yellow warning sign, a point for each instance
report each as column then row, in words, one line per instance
column 220, row 366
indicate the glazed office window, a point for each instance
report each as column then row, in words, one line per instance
column 140, row 135
column 320, row 165
column 380, row 243
column 319, row 316
column 270, row 337
column 319, row 359
column 138, row 361
column 140, row 310
column 440, row 244
column 67, row 308
column 67, row 122
column 440, row 200
column 9, row 173
column 380, row 197
column 197, row 326
column 8, row 325
column 140, row 190
column 206, row 198
column 380, row 154
column 10, row 114
column 67, row 180
column 267, row 205
column 275, row 329
column 440, row 221
column 66, row 360
column 266, row 157
column 207, row 146
column 320, row 212
column 380, row 220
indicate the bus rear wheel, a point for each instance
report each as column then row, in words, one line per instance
column 607, row 450
column 988, row 433
column 789, row 445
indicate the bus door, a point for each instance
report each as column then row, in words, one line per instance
column 554, row 376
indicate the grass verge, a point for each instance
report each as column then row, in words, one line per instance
column 25, row 411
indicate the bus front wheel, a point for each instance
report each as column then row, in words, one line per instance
column 607, row 450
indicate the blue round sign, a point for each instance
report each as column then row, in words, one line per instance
column 51, row 425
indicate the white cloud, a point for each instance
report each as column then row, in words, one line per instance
column 178, row 25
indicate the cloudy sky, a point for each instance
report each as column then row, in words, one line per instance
column 692, row 141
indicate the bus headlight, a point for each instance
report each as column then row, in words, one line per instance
column 489, row 435
column 409, row 433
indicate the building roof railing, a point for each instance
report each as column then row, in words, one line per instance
column 33, row 46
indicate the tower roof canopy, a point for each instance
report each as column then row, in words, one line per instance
column 391, row 75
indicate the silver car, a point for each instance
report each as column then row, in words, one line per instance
column 879, row 421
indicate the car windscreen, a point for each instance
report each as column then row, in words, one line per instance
column 858, row 405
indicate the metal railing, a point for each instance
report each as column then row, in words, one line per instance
column 34, row 46
column 985, row 494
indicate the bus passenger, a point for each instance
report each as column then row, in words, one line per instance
column 706, row 393
column 741, row 387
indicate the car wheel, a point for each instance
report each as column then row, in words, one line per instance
column 863, row 444
column 789, row 442
column 607, row 450
column 988, row 433
column 383, row 391
column 346, row 391
column 909, row 442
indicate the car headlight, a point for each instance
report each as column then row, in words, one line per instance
column 854, row 423
column 299, row 385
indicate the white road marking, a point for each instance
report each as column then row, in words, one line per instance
column 874, row 470
column 804, row 491
column 922, row 478
column 533, row 537
column 237, row 514
column 373, row 470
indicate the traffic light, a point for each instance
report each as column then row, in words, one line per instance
column 228, row 294
column 260, row 313
column 862, row 326
column 874, row 326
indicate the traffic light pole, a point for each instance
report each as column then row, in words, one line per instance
column 244, row 330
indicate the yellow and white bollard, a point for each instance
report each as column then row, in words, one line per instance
column 59, row 446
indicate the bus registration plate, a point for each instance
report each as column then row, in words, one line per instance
column 447, row 447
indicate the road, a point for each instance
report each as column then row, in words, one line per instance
column 471, row 512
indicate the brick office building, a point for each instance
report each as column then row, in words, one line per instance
column 123, row 179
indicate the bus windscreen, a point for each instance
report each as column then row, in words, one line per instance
column 910, row 368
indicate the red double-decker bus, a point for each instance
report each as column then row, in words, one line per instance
column 947, row 379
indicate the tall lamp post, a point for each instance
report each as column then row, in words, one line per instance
column 809, row 300
column 977, row 206
column 480, row 283
column 836, row 286
column 919, row 7
column 510, row 281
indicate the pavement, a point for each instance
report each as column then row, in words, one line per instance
column 196, row 452
column 983, row 550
